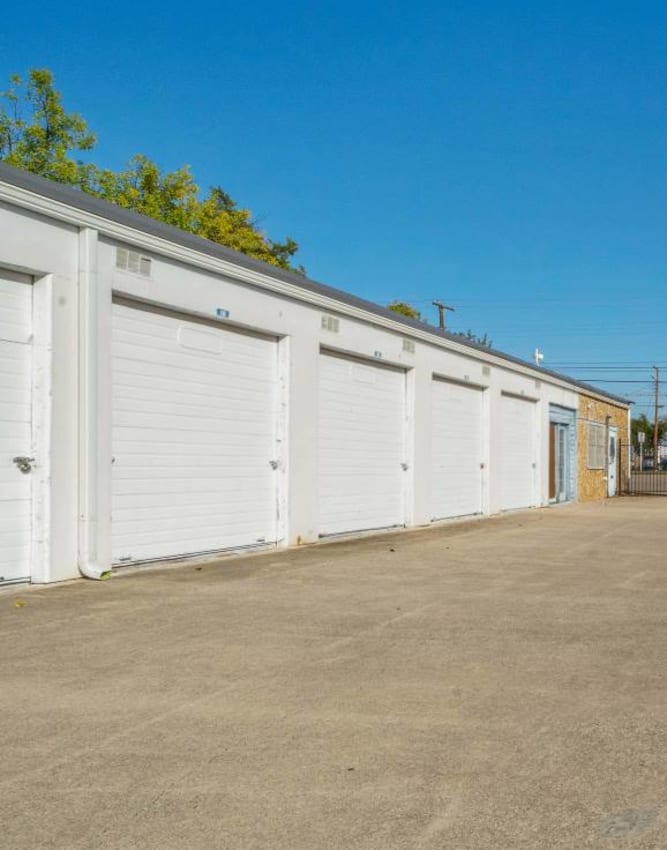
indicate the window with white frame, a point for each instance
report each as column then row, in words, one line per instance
column 597, row 455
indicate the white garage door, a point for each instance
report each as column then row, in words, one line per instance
column 15, row 425
column 517, row 452
column 457, row 450
column 194, row 436
column 361, row 445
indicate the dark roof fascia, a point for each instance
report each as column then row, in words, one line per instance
column 79, row 200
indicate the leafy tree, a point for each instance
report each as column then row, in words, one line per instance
column 405, row 309
column 38, row 135
column 641, row 424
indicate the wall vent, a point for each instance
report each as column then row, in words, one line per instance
column 133, row 261
column 538, row 384
column 330, row 323
column 409, row 345
column 486, row 370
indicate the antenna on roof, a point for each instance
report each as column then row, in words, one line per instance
column 538, row 357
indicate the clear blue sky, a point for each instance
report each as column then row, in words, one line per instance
column 509, row 158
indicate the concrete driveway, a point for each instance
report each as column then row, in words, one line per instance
column 496, row 684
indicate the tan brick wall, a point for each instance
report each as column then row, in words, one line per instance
column 592, row 483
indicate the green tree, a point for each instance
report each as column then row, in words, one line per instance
column 405, row 309
column 641, row 424
column 38, row 135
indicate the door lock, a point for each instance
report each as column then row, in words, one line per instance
column 24, row 463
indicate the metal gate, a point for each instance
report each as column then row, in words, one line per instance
column 640, row 475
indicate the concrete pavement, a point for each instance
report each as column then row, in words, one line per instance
column 492, row 684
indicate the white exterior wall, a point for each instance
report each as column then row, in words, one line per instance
column 75, row 276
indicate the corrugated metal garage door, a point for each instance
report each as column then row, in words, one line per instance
column 517, row 460
column 361, row 445
column 457, row 450
column 15, row 425
column 194, row 436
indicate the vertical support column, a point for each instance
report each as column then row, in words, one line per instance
column 485, row 459
column 409, row 412
column 282, row 441
column 42, row 397
column 303, row 414
column 94, row 412
column 494, row 401
column 421, row 439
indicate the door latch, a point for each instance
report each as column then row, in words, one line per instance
column 24, row 463
column 274, row 464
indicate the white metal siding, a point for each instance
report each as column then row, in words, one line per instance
column 15, row 425
column 194, row 435
column 361, row 445
column 457, row 450
column 518, row 442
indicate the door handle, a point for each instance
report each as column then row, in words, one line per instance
column 24, row 463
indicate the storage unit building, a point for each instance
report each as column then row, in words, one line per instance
column 163, row 397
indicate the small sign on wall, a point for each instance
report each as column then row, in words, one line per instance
column 221, row 313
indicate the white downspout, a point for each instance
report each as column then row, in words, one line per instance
column 94, row 571
column 91, row 560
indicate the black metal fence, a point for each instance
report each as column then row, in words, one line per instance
column 645, row 478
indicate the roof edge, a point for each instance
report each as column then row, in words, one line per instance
column 79, row 200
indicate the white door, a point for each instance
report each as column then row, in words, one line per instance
column 612, row 461
column 361, row 445
column 15, row 426
column 517, row 461
column 457, row 450
column 194, row 436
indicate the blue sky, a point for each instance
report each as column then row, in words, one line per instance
column 509, row 158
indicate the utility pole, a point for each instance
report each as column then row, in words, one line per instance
column 655, row 417
column 441, row 313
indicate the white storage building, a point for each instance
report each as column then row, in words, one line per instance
column 162, row 396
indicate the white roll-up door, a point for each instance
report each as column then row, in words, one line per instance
column 361, row 445
column 457, row 450
column 194, row 436
column 15, row 425
column 517, row 461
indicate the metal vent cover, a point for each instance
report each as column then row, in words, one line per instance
column 486, row 370
column 409, row 345
column 330, row 323
column 133, row 262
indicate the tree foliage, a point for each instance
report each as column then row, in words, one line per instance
column 37, row 134
column 405, row 309
column 473, row 337
column 641, row 424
